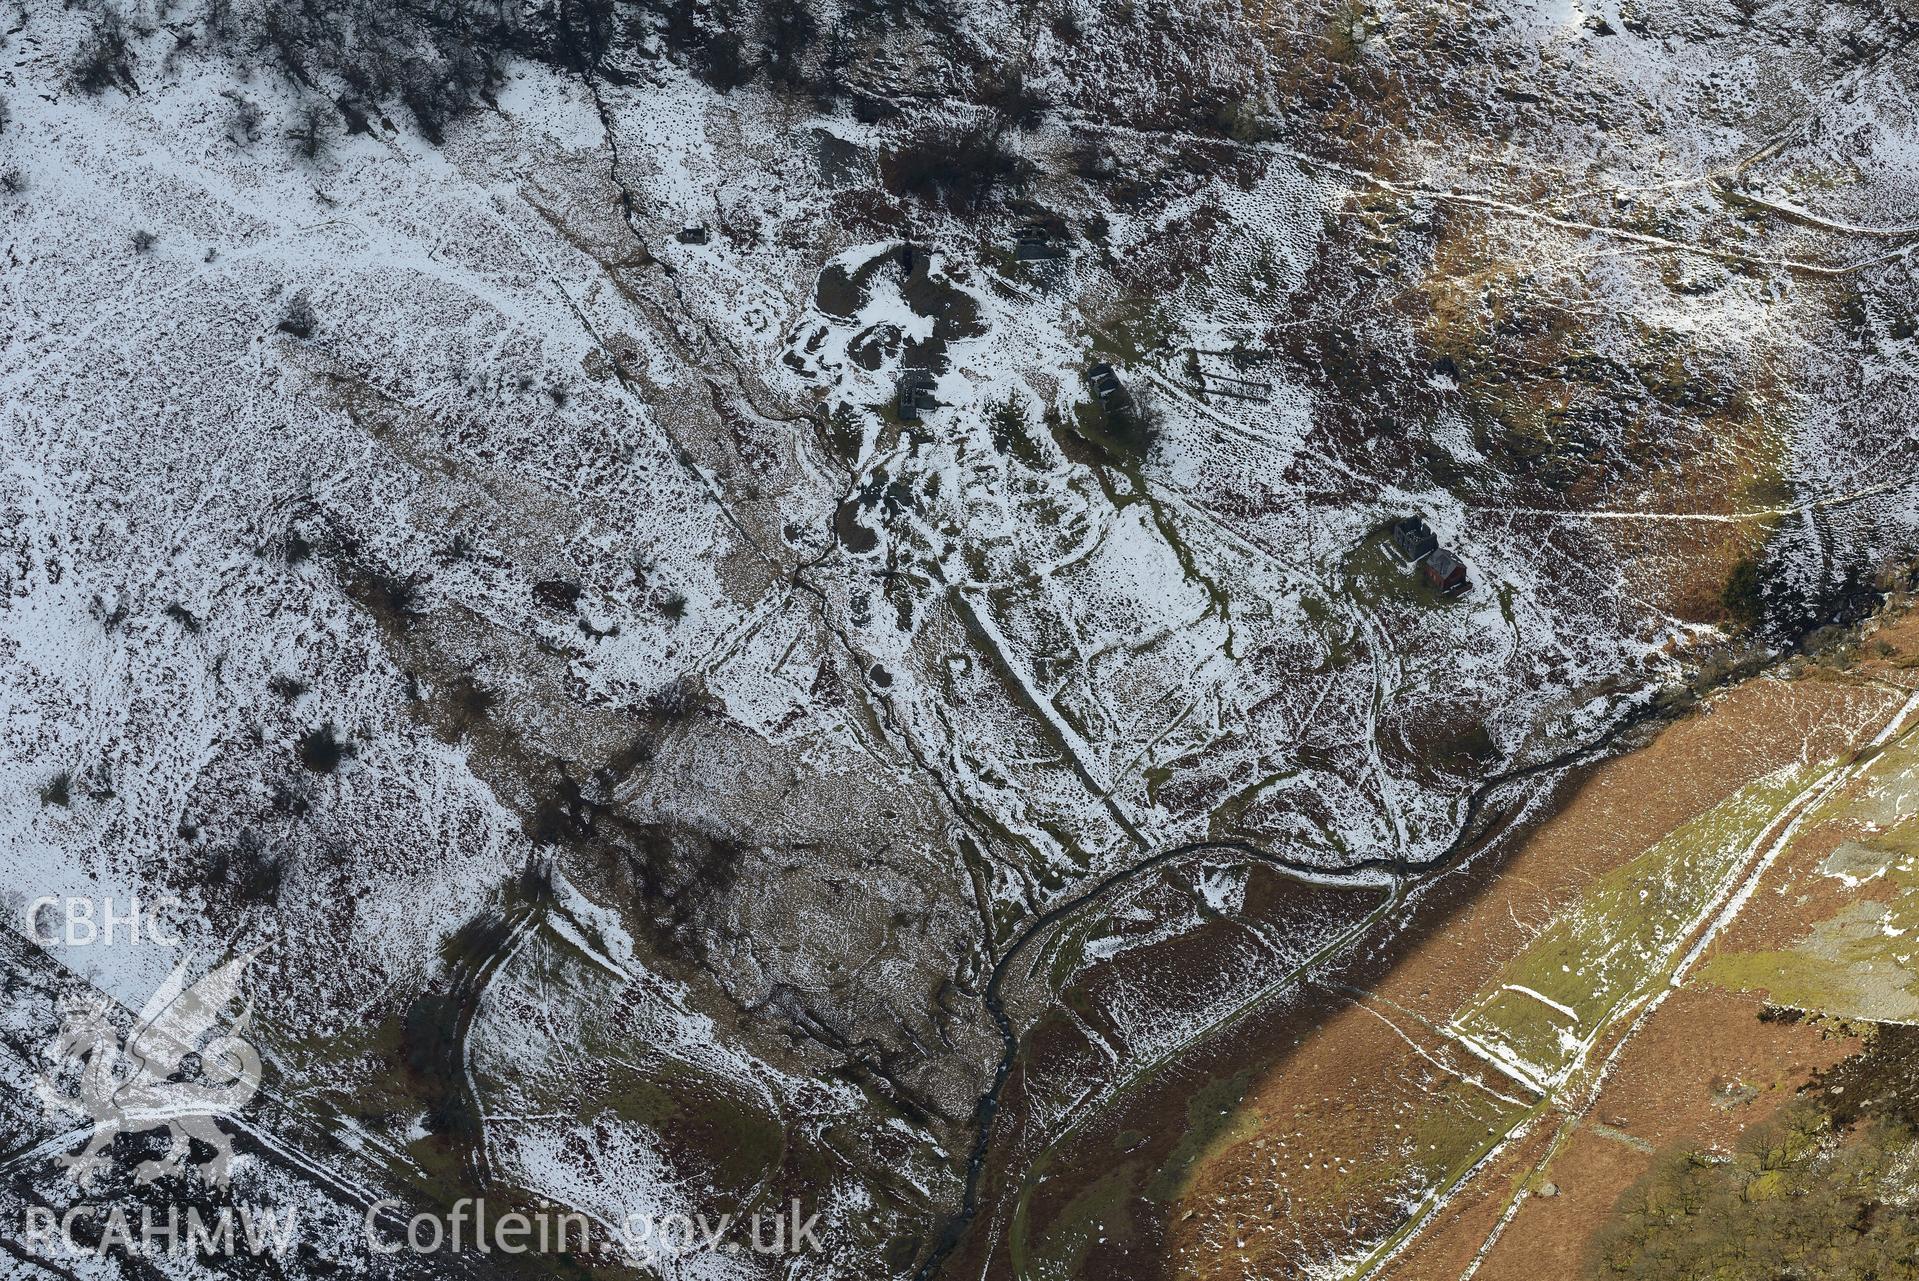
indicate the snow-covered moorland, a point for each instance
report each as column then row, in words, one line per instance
column 457, row 524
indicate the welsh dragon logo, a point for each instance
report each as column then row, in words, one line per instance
column 176, row 1069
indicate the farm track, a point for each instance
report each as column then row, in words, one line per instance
column 467, row 990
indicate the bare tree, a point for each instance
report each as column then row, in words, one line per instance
column 311, row 135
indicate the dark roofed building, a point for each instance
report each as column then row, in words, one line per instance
column 1114, row 399
column 693, row 235
column 916, row 395
column 1034, row 243
column 1412, row 541
column 1444, row 572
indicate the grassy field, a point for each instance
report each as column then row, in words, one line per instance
column 1548, row 1003
column 1856, row 962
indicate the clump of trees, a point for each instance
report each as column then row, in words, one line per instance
column 1778, row 597
column 311, row 133
column 960, row 165
column 322, row 750
column 677, row 876
column 1012, row 430
column 105, row 60
column 244, row 118
column 788, row 31
column 361, row 65
column 1817, row 1191
column 1133, row 434
column 1743, row 596
column 434, row 1028
column 1013, row 96
column 435, row 62
column 361, row 60
column 1244, row 120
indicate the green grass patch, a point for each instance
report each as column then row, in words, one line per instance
column 1856, row 963
column 1375, row 577
column 1620, row 937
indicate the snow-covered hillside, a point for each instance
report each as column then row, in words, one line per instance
column 486, row 556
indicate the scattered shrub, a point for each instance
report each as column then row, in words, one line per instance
column 58, row 790
column 676, row 700
column 557, row 594
column 243, row 119
column 110, row 616
column 248, row 868
column 299, row 320
column 290, row 801
column 471, row 704
column 287, row 687
column 393, row 598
